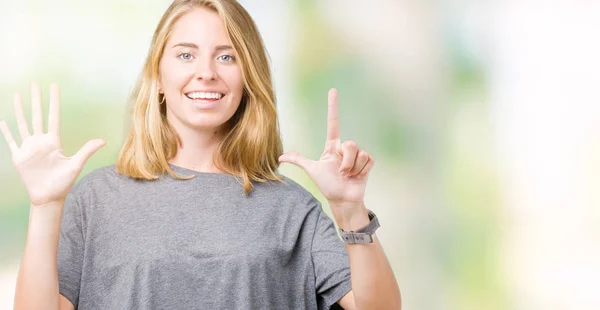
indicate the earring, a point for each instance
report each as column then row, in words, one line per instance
column 164, row 98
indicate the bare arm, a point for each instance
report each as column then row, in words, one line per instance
column 374, row 285
column 37, row 283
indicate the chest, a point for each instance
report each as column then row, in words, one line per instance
column 194, row 231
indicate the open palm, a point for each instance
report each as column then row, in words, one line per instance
column 47, row 173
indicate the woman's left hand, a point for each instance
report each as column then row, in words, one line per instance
column 341, row 173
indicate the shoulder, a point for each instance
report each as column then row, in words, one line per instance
column 286, row 191
column 101, row 178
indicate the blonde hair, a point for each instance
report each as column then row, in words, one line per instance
column 251, row 145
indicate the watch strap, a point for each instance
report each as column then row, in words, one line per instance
column 363, row 235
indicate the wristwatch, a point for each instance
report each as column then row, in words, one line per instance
column 363, row 235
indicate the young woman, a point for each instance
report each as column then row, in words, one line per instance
column 194, row 214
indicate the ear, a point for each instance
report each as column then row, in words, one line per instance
column 160, row 90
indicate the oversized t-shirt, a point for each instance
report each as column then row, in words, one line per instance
column 197, row 244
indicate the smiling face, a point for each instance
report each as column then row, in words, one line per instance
column 199, row 73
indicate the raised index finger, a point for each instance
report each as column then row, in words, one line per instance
column 333, row 124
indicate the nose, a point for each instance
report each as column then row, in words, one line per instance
column 205, row 70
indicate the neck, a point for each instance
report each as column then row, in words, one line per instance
column 197, row 149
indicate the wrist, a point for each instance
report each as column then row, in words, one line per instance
column 350, row 218
column 44, row 222
column 54, row 204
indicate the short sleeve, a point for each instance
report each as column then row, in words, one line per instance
column 330, row 261
column 70, row 250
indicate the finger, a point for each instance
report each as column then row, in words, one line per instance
column 349, row 151
column 361, row 161
column 298, row 160
column 36, row 110
column 88, row 150
column 54, row 110
column 21, row 121
column 12, row 144
column 365, row 171
column 333, row 127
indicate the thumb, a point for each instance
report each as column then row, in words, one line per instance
column 88, row 150
column 296, row 159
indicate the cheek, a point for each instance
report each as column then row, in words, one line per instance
column 174, row 74
column 235, row 81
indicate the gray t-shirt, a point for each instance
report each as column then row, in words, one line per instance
column 197, row 244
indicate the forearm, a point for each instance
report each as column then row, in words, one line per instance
column 37, row 282
column 373, row 282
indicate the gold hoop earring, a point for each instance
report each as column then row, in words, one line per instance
column 164, row 98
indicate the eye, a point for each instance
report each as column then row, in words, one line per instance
column 184, row 56
column 226, row 58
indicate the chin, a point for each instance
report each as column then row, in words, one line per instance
column 206, row 123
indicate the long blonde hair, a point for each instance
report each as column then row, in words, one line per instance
column 251, row 146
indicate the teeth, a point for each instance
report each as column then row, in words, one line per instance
column 203, row 95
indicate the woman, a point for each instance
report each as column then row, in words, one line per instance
column 194, row 215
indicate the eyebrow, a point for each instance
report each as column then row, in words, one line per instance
column 192, row 45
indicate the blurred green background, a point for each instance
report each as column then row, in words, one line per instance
column 481, row 115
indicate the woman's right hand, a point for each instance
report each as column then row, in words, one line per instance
column 46, row 172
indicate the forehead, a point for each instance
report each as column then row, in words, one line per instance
column 202, row 26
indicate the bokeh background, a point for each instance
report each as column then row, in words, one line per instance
column 483, row 116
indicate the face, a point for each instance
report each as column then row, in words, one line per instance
column 199, row 73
